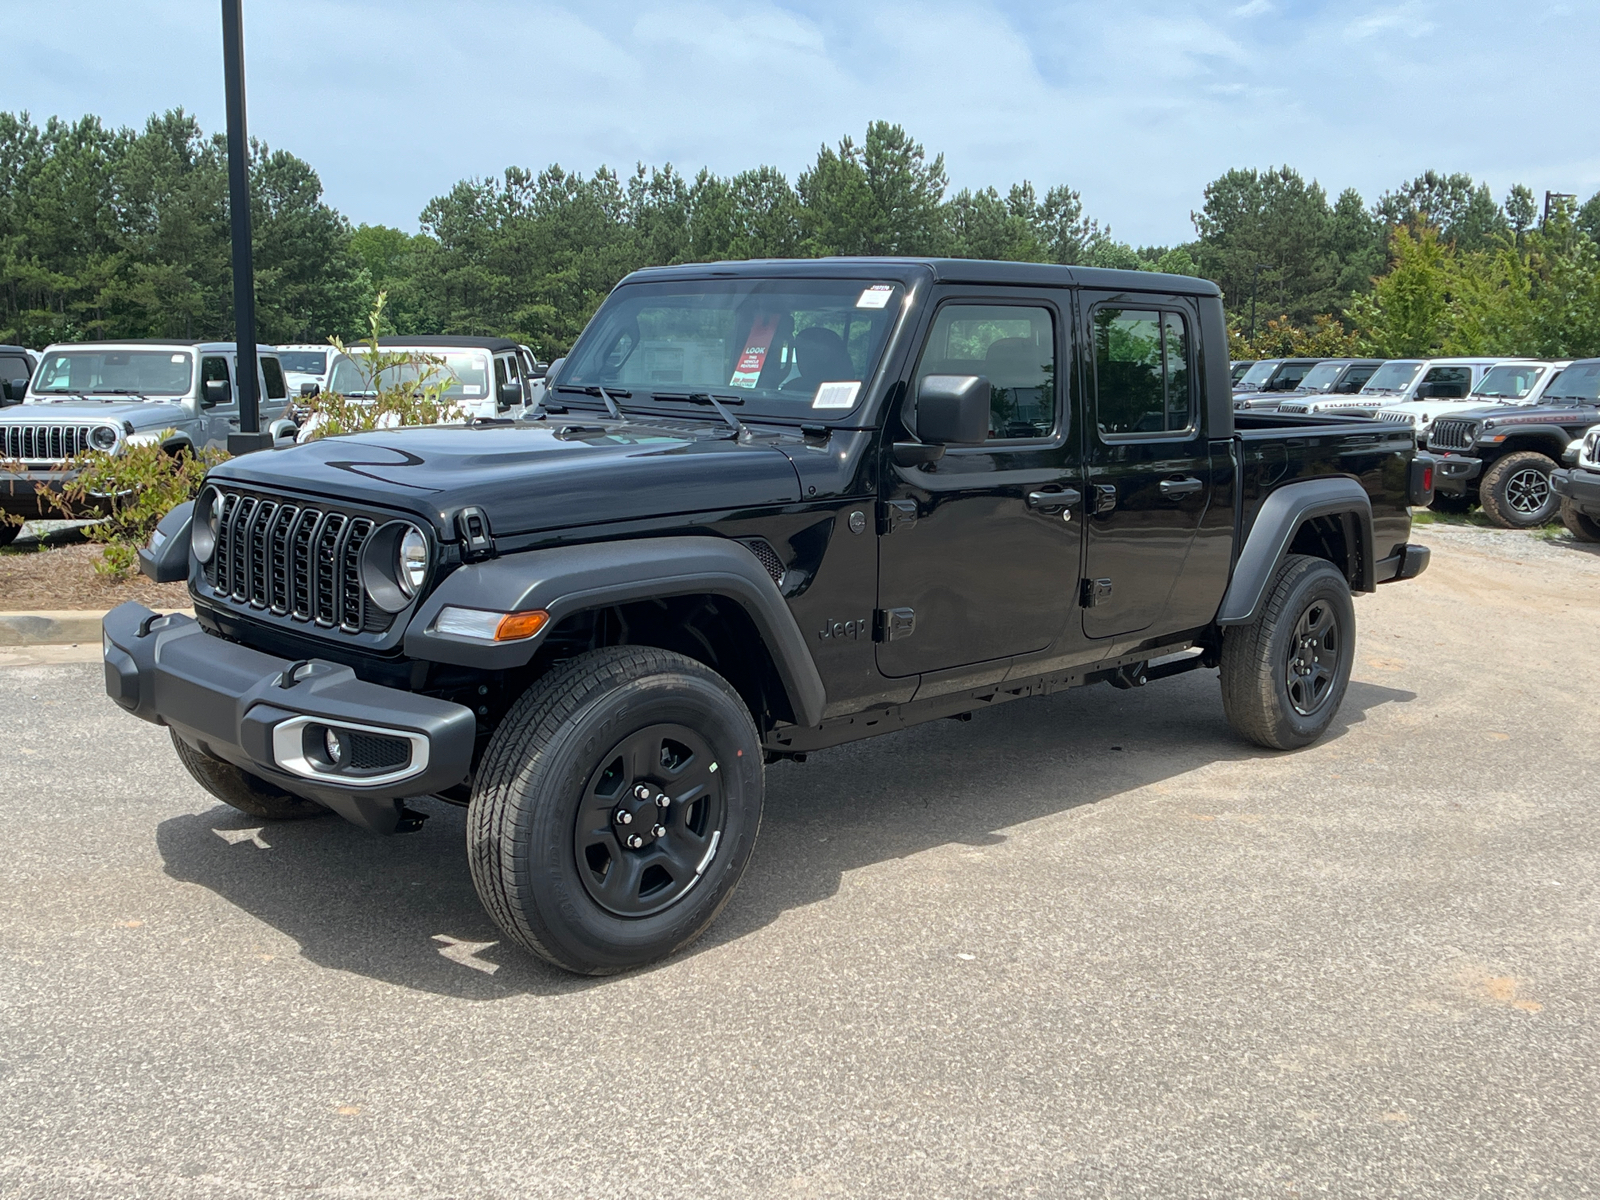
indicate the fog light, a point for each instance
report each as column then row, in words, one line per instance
column 334, row 745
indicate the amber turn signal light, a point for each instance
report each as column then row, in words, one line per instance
column 518, row 625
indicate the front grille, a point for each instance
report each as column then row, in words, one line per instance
column 43, row 443
column 294, row 561
column 1449, row 433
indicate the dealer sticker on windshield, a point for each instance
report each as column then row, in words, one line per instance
column 837, row 395
column 876, row 296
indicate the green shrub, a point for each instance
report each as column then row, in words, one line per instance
column 127, row 493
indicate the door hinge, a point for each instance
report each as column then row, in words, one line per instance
column 893, row 624
column 896, row 514
column 1105, row 498
column 1095, row 592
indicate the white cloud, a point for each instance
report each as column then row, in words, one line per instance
column 1137, row 104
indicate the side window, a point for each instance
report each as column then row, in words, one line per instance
column 1355, row 379
column 213, row 368
column 1142, row 371
column 272, row 372
column 1014, row 347
column 1449, row 381
column 500, row 379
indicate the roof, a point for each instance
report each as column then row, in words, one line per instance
column 940, row 270
column 428, row 341
column 188, row 343
column 15, row 350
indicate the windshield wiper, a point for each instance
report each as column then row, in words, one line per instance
column 119, row 392
column 740, row 432
column 596, row 390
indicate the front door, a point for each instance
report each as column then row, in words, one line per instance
column 1149, row 477
column 976, row 561
column 219, row 420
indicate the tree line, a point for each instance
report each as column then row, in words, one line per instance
column 124, row 233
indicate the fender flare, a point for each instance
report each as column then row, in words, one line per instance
column 565, row 580
column 1282, row 513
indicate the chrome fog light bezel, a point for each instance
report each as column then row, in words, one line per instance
column 289, row 752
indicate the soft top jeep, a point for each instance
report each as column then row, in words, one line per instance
column 765, row 508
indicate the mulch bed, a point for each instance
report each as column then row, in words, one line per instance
column 63, row 576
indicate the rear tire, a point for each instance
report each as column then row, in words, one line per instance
column 1446, row 503
column 241, row 790
column 1515, row 491
column 1584, row 528
column 548, row 844
column 1284, row 675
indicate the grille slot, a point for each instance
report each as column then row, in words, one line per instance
column 43, row 443
column 1450, row 434
column 294, row 561
column 373, row 752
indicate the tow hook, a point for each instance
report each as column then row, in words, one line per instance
column 410, row 820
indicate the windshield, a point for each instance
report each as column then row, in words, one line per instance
column 1392, row 376
column 304, row 362
column 1509, row 381
column 1321, row 377
column 792, row 346
column 1259, row 373
column 466, row 370
column 115, row 372
column 1580, row 381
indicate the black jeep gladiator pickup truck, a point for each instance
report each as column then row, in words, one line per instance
column 764, row 508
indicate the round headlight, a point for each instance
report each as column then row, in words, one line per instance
column 103, row 437
column 207, row 519
column 411, row 561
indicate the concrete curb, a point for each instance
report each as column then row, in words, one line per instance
column 54, row 627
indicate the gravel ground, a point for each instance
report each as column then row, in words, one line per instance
column 1084, row 946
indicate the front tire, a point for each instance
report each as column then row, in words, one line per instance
column 1284, row 675
column 239, row 789
column 1582, row 527
column 1515, row 491
column 616, row 809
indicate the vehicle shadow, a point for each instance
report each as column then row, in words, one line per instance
column 403, row 910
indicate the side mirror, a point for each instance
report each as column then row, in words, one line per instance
column 217, row 391
column 953, row 410
column 554, row 368
column 15, row 390
column 308, row 390
column 509, row 394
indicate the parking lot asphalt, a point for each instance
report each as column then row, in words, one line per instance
column 1091, row 945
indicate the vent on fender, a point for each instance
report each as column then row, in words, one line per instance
column 767, row 556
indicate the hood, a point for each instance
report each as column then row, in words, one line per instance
column 532, row 476
column 141, row 414
column 1424, row 411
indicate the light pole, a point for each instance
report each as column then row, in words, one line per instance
column 249, row 437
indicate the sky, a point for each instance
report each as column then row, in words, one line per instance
column 1138, row 104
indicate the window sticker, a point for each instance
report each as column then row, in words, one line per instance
column 876, row 296
column 748, row 371
column 836, row 395
column 180, row 358
column 472, row 389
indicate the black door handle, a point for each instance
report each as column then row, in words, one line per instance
column 1186, row 486
column 1065, row 498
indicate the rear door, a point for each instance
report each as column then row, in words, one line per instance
column 220, row 419
column 1150, row 469
column 978, row 553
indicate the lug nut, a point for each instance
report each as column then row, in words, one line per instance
column 635, row 841
column 663, row 800
column 624, row 817
column 641, row 792
column 658, row 831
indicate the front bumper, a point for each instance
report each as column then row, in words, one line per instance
column 251, row 709
column 19, row 492
column 1453, row 472
column 1579, row 485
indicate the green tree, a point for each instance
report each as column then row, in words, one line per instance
column 881, row 197
column 1463, row 212
column 1407, row 313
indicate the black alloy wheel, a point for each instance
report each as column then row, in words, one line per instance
column 615, row 808
column 1284, row 675
column 1313, row 658
column 651, row 820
